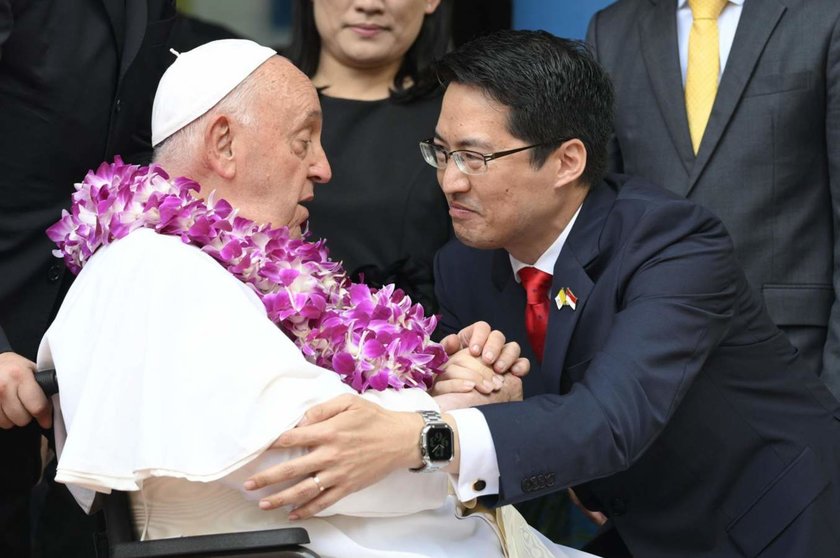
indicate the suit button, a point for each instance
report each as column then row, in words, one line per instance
column 618, row 506
column 550, row 480
column 527, row 485
column 541, row 481
column 479, row 485
column 118, row 105
column 54, row 273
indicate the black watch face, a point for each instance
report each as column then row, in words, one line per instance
column 439, row 441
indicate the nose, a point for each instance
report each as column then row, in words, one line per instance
column 452, row 180
column 368, row 6
column 319, row 170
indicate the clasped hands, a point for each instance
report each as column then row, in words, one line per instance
column 353, row 442
column 482, row 369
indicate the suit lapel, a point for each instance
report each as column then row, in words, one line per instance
column 757, row 22
column 570, row 272
column 660, row 51
column 137, row 14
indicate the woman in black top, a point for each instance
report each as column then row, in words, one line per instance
column 383, row 212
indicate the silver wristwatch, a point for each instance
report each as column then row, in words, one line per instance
column 436, row 443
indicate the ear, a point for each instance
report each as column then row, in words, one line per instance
column 570, row 162
column 431, row 6
column 218, row 146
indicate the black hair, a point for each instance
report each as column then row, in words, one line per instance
column 432, row 42
column 553, row 87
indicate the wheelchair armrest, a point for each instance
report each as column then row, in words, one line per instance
column 47, row 381
column 273, row 543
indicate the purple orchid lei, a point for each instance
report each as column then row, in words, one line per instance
column 372, row 339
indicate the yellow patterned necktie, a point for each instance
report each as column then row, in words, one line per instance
column 701, row 80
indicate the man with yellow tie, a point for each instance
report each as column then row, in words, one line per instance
column 736, row 105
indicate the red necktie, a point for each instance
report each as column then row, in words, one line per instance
column 536, row 285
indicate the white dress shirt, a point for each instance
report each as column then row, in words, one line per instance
column 727, row 24
column 478, row 473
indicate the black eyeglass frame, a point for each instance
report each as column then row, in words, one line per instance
column 486, row 156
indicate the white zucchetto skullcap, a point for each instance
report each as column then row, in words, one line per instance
column 200, row 78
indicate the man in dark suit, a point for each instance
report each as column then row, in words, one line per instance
column 76, row 86
column 765, row 156
column 661, row 389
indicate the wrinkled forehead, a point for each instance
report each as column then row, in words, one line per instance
column 280, row 76
column 289, row 90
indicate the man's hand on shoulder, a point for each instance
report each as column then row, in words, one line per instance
column 21, row 399
column 353, row 443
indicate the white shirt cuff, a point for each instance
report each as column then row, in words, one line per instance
column 478, row 474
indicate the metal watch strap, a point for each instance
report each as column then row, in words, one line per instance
column 430, row 419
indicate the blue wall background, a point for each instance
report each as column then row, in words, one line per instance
column 565, row 18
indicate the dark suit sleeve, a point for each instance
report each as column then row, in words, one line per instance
column 831, row 355
column 674, row 296
column 614, row 159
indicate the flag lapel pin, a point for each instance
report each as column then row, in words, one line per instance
column 565, row 297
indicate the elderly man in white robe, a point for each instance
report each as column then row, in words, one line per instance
column 174, row 381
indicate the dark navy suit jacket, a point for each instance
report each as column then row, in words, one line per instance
column 667, row 397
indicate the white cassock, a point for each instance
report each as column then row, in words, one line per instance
column 173, row 385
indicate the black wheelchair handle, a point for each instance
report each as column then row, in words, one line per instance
column 47, row 381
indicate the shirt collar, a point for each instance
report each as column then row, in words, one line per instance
column 548, row 258
column 684, row 3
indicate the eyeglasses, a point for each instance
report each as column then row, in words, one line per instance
column 468, row 162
